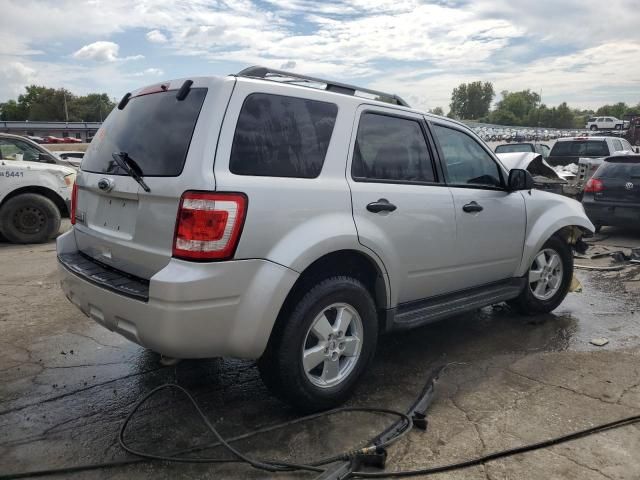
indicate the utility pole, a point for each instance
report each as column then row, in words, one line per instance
column 66, row 112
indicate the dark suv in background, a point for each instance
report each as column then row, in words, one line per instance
column 612, row 195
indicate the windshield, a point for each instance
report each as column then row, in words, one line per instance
column 522, row 147
column 154, row 130
column 578, row 148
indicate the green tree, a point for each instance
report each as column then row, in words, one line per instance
column 437, row 111
column 56, row 105
column 618, row 110
column 12, row 110
column 520, row 105
column 471, row 101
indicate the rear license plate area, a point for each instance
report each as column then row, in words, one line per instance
column 116, row 216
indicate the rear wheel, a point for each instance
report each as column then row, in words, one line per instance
column 314, row 359
column 29, row 218
column 548, row 278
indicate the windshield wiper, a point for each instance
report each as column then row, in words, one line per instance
column 129, row 165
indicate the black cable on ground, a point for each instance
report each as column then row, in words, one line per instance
column 315, row 466
column 502, row 453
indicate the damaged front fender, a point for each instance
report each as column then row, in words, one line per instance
column 547, row 215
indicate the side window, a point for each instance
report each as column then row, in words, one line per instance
column 16, row 150
column 617, row 145
column 391, row 148
column 467, row 162
column 278, row 136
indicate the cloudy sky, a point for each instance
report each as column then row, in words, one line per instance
column 586, row 52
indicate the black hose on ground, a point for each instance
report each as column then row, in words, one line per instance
column 390, row 435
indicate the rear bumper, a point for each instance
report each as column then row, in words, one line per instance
column 604, row 213
column 194, row 310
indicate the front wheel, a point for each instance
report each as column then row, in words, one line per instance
column 29, row 218
column 548, row 278
column 323, row 346
column 594, row 128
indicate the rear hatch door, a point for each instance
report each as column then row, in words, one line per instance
column 172, row 141
column 620, row 179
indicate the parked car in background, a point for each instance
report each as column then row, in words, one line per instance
column 540, row 148
column 604, row 123
column 267, row 250
column 544, row 177
column 71, row 140
column 35, row 139
column 612, row 194
column 569, row 150
column 15, row 146
column 34, row 196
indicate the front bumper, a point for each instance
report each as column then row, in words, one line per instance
column 194, row 310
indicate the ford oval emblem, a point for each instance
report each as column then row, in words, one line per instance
column 105, row 184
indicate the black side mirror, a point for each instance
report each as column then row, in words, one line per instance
column 44, row 158
column 520, row 179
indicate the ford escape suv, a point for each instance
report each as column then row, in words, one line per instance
column 293, row 220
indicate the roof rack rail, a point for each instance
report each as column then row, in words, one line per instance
column 331, row 86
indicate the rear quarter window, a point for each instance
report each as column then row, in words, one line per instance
column 280, row 136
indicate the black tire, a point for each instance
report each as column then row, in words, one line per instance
column 29, row 218
column 594, row 128
column 281, row 365
column 527, row 303
column 618, row 126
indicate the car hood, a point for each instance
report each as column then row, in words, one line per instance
column 40, row 167
column 533, row 162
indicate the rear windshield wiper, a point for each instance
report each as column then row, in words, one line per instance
column 130, row 166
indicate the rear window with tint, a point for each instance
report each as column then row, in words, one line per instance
column 576, row 148
column 279, row 136
column 621, row 170
column 155, row 130
column 523, row 147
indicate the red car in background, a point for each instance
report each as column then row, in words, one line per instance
column 52, row 139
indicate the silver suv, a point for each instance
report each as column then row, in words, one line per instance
column 293, row 220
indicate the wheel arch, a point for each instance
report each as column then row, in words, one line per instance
column 571, row 232
column 348, row 262
column 45, row 192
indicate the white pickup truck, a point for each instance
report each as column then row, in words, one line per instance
column 34, row 196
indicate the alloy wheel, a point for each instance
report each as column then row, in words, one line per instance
column 332, row 345
column 545, row 275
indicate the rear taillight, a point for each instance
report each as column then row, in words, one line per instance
column 594, row 185
column 208, row 225
column 74, row 203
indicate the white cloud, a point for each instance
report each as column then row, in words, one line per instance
column 421, row 50
column 103, row 52
column 148, row 72
column 156, row 36
column 15, row 75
